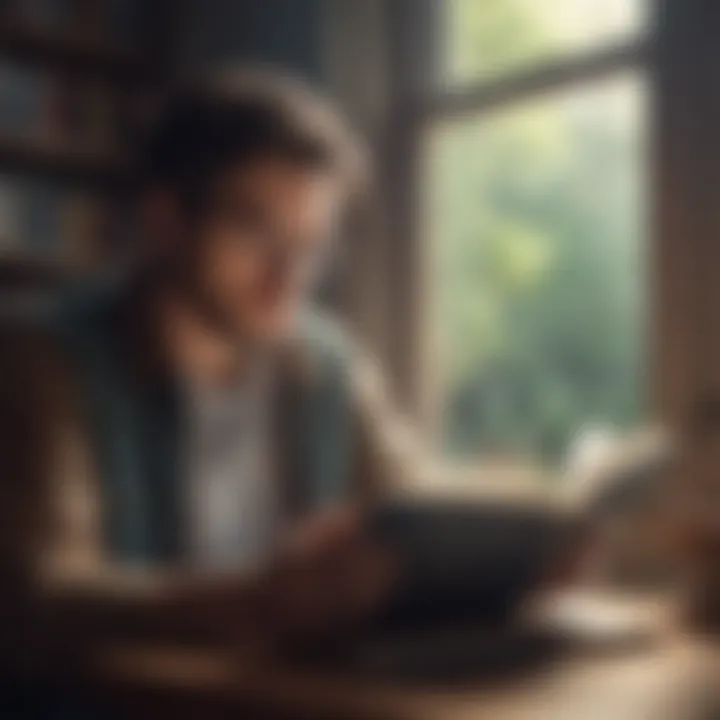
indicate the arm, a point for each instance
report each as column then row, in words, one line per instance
column 61, row 597
column 389, row 459
column 69, row 599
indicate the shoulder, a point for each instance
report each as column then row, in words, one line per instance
column 325, row 341
column 318, row 361
column 333, row 357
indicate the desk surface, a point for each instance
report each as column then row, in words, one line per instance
column 676, row 679
column 668, row 676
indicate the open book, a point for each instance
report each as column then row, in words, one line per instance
column 479, row 556
column 625, row 473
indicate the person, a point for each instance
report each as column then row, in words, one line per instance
column 187, row 452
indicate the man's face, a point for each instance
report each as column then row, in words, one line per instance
column 260, row 244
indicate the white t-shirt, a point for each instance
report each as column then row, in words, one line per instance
column 231, row 499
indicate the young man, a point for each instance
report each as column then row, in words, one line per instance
column 175, row 450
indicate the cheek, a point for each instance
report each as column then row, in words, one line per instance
column 237, row 267
column 229, row 270
column 247, row 281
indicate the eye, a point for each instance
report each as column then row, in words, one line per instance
column 245, row 219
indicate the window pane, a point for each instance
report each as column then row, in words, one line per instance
column 537, row 225
column 485, row 39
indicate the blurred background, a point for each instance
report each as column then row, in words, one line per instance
column 534, row 267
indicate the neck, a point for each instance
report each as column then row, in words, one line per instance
column 197, row 351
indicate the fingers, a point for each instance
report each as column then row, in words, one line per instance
column 330, row 575
column 366, row 580
column 332, row 528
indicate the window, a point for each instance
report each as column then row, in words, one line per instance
column 534, row 181
column 485, row 40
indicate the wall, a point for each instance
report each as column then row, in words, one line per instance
column 355, row 47
column 286, row 33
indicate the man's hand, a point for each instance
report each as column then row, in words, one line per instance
column 328, row 575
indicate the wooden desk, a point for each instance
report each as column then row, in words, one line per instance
column 677, row 679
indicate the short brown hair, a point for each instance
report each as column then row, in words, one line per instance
column 239, row 117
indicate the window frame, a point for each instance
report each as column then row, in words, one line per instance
column 421, row 100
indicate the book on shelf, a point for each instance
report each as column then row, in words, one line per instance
column 23, row 94
column 57, row 108
column 84, row 230
column 116, row 21
column 41, row 206
column 80, row 114
column 55, row 15
column 50, row 222
column 98, row 109
column 10, row 215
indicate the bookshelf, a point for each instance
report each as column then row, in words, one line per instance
column 21, row 155
column 75, row 52
column 75, row 76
